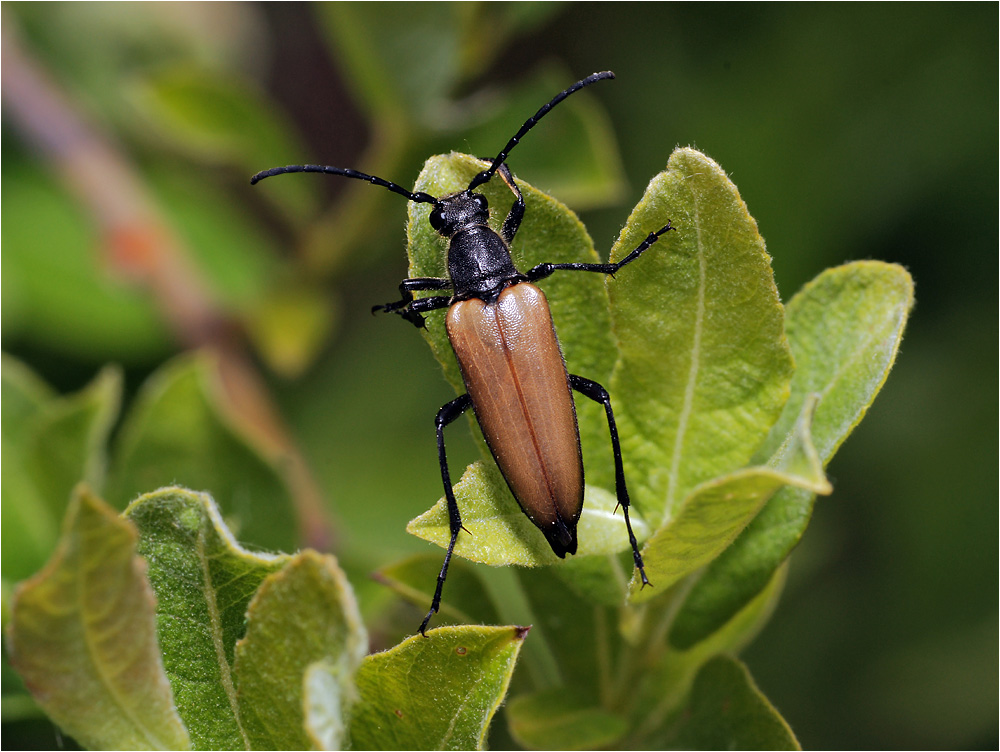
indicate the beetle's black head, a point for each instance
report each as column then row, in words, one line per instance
column 460, row 210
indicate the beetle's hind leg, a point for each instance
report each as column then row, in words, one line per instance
column 447, row 414
column 411, row 308
column 598, row 393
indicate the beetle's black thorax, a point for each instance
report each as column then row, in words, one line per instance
column 479, row 262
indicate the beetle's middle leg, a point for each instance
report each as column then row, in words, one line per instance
column 598, row 393
column 447, row 414
column 410, row 308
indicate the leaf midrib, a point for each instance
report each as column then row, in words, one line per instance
column 94, row 653
column 689, row 387
column 215, row 630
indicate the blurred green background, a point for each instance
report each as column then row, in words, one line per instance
column 130, row 234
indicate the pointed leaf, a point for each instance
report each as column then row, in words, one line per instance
column 555, row 719
column 435, row 692
column 50, row 444
column 177, row 433
column 204, row 582
column 844, row 328
column 727, row 711
column 717, row 511
column 704, row 367
column 303, row 615
column 83, row 637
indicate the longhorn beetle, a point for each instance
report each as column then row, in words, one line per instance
column 501, row 330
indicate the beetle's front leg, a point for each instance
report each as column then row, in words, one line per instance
column 410, row 308
column 447, row 414
column 513, row 220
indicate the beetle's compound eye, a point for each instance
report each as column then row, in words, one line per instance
column 481, row 201
column 436, row 218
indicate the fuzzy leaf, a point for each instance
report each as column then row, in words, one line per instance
column 844, row 328
column 204, row 582
column 301, row 616
column 554, row 719
column 717, row 511
column 177, row 433
column 83, row 637
column 727, row 711
column 704, row 367
column 435, row 692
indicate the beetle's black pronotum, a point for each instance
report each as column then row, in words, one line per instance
column 500, row 327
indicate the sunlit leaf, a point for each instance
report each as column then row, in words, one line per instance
column 717, row 511
column 844, row 328
column 83, row 636
column 704, row 367
column 435, row 692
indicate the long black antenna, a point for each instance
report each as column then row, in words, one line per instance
column 420, row 198
column 530, row 123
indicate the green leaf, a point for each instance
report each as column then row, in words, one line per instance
column 666, row 683
column 727, row 711
column 844, row 328
column 717, row 511
column 301, row 618
column 177, row 433
column 704, row 366
column 304, row 614
column 464, row 600
column 222, row 120
column 435, row 692
column 83, row 637
column 499, row 533
column 204, row 582
column 555, row 719
column 50, row 444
